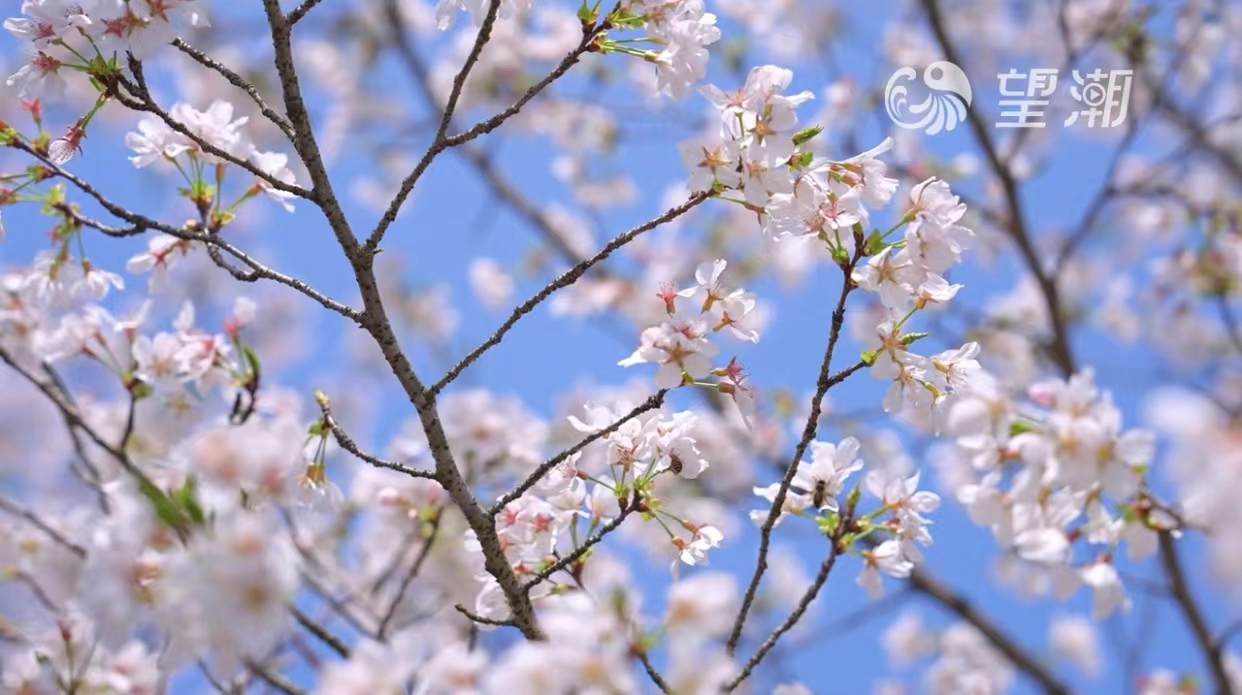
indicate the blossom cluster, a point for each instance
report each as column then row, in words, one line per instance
column 759, row 151
column 681, row 344
column 816, row 489
column 156, row 141
column 624, row 473
column 683, row 30
column 64, row 35
column 1053, row 472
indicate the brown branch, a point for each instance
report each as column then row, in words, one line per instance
column 835, row 548
column 273, row 679
column 824, row 382
column 409, row 577
column 1061, row 350
column 1211, row 648
column 17, row 509
column 443, row 141
column 439, row 143
column 237, row 81
column 925, row 584
column 533, row 479
column 567, row 278
column 348, row 444
column 304, row 135
column 301, row 11
column 320, row 632
column 142, row 101
column 481, row 620
column 140, row 224
column 652, row 673
column 583, row 549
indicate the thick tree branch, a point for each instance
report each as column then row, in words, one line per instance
column 304, row 135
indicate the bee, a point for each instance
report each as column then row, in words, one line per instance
column 675, row 464
column 819, row 493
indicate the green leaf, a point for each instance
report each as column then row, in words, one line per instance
column 869, row 356
column 1021, row 427
column 827, row 523
column 875, row 243
column 807, row 134
column 253, row 361
column 166, row 508
column 586, row 13
column 913, row 337
column 187, row 497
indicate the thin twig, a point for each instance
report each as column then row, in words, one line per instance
column 319, row 631
column 237, row 81
column 835, row 548
column 567, row 278
column 142, row 101
column 415, row 567
column 484, row 621
column 140, row 224
column 824, row 382
column 438, row 144
column 652, row 673
column 652, row 403
column 583, row 549
column 301, row 11
column 443, row 140
column 348, row 444
column 1061, row 350
column 924, row 583
column 17, row 509
column 273, row 679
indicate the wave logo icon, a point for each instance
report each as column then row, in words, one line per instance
column 948, row 98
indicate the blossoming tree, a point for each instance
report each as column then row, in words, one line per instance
column 200, row 493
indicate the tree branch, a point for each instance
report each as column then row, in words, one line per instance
column 567, row 278
column 1061, row 351
column 301, row 11
column 348, row 444
column 652, row 403
column 924, row 583
column 1211, row 648
column 237, row 81
column 825, row 382
column 443, row 140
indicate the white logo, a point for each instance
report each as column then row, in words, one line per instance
column 946, row 103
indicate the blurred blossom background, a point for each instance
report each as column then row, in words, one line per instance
column 1111, row 252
